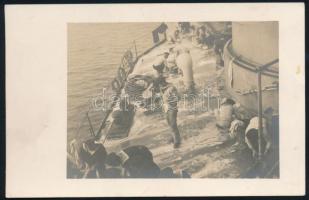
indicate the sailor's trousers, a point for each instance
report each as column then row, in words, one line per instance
column 171, row 117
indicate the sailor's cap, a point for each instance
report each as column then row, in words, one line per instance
column 268, row 110
column 227, row 101
column 159, row 61
column 166, row 51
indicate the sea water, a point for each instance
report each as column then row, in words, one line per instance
column 94, row 55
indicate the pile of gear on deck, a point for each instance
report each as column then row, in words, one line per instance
column 203, row 36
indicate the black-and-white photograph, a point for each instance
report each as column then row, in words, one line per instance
column 173, row 100
column 155, row 100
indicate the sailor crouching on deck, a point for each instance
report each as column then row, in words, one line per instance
column 89, row 157
column 170, row 96
column 252, row 131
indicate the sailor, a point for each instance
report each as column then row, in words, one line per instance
column 90, row 157
column 225, row 114
column 160, row 65
column 192, row 32
column 200, row 35
column 166, row 53
column 237, row 132
column 208, row 39
column 170, row 62
column 175, row 38
column 184, row 27
column 218, row 49
column 113, row 167
column 170, row 99
column 252, row 130
column 135, row 161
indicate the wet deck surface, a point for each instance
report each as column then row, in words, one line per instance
column 204, row 152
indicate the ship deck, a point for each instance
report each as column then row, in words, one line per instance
column 205, row 151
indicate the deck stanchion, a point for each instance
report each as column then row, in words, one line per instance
column 260, row 103
column 260, row 112
column 90, row 125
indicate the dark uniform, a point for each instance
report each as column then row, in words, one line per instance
column 91, row 158
column 170, row 99
column 132, row 162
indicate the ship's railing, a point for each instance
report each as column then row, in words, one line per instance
column 245, row 63
column 97, row 122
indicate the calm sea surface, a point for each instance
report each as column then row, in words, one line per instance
column 94, row 54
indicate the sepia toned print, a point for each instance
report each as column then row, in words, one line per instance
column 173, row 100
